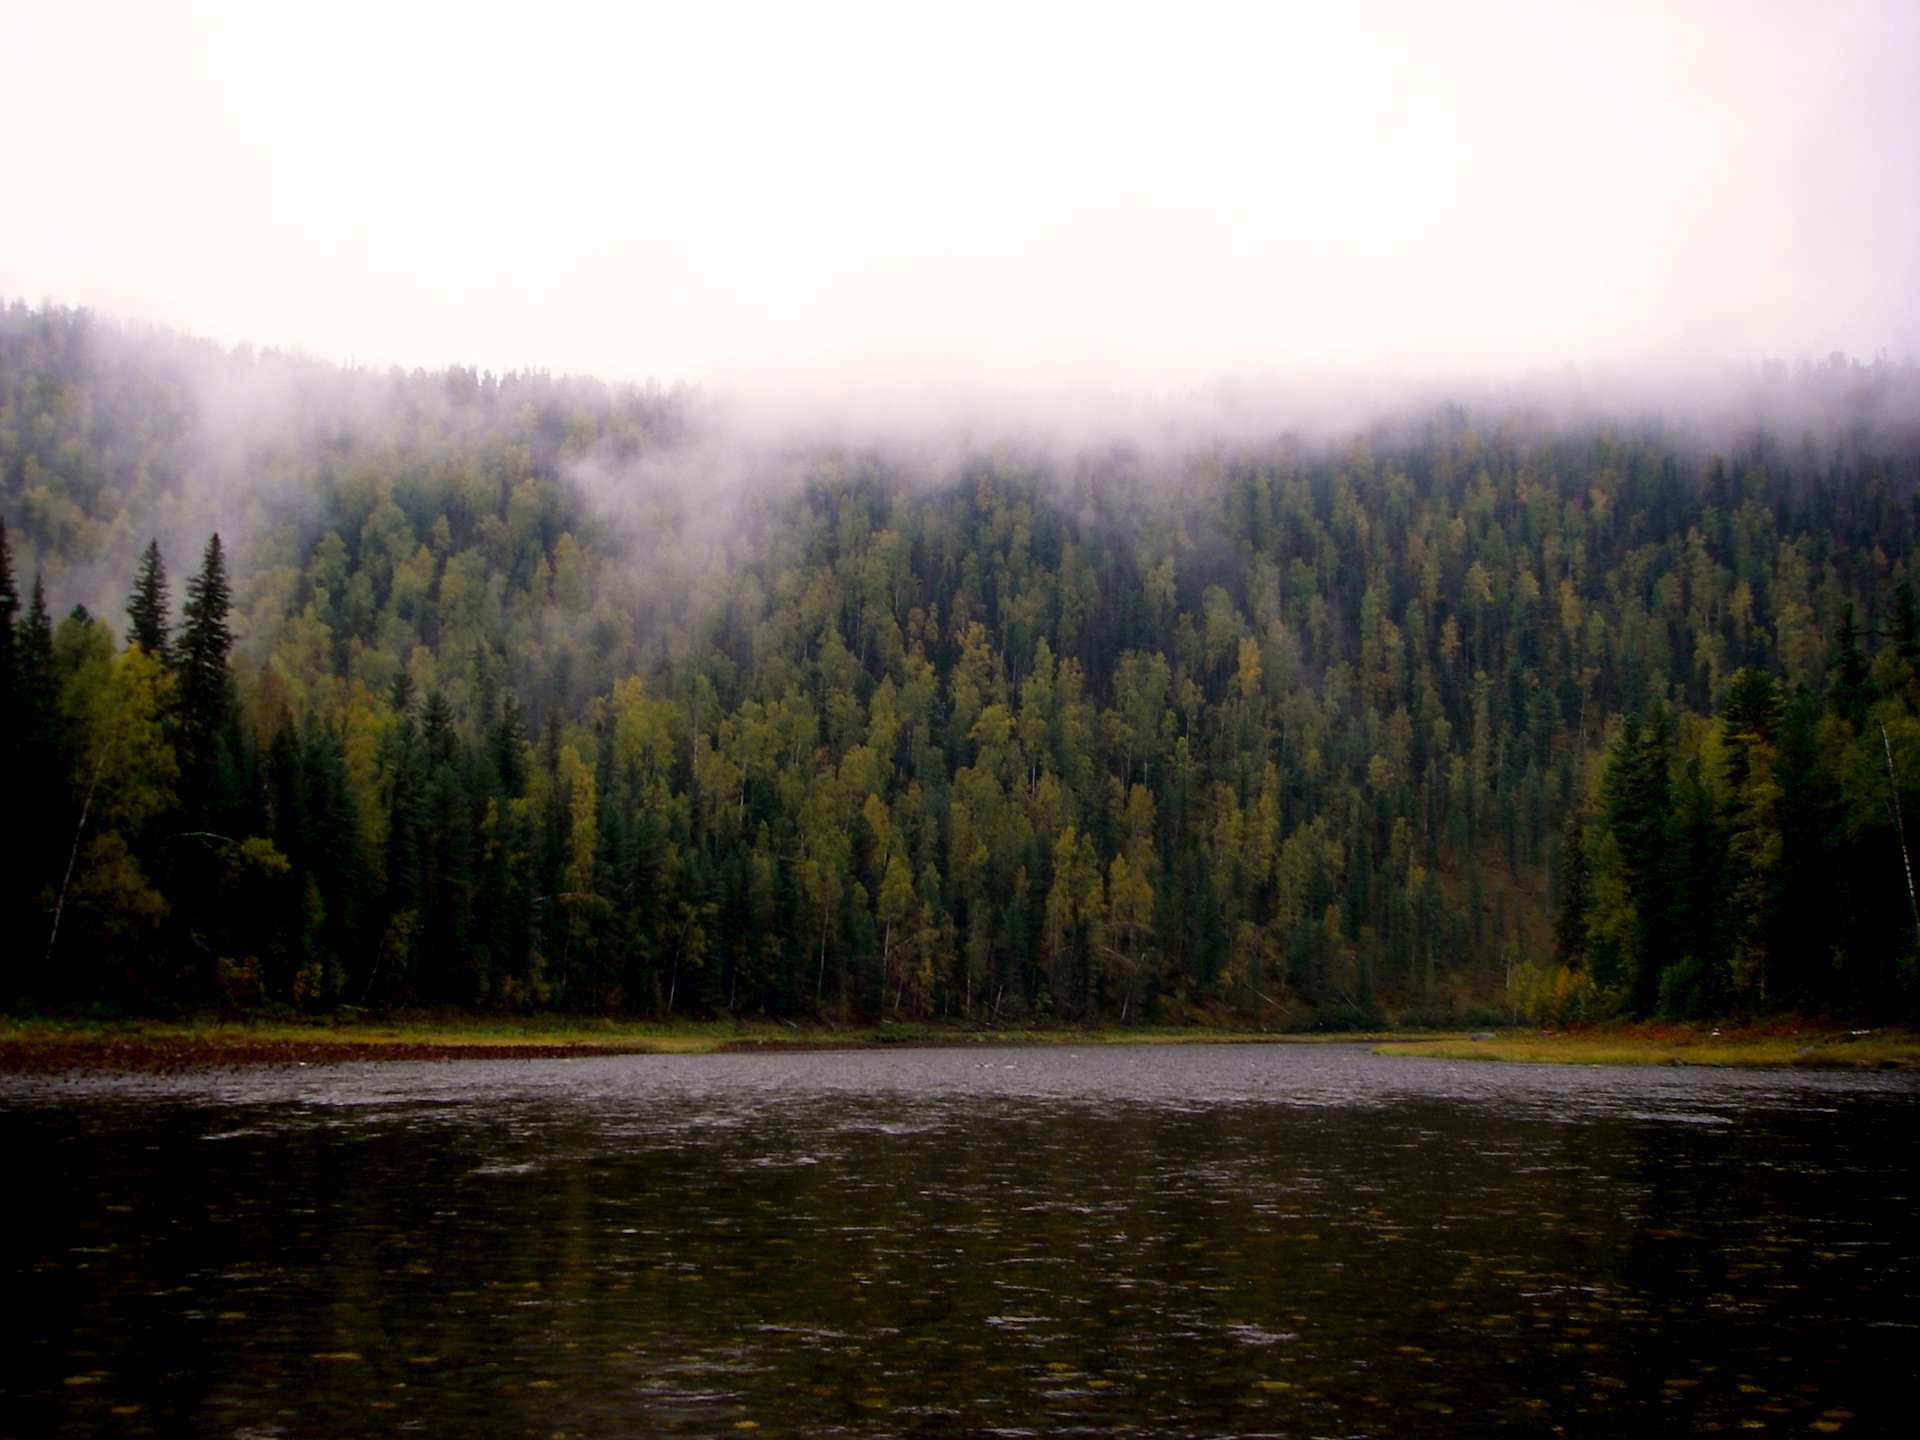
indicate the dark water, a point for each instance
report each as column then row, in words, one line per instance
column 1240, row 1240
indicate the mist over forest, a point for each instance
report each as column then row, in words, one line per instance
column 1312, row 706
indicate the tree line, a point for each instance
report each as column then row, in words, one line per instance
column 509, row 703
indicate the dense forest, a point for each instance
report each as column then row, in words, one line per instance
column 328, row 686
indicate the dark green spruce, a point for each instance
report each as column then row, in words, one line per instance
column 149, row 615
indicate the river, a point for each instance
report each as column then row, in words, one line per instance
column 1200, row 1240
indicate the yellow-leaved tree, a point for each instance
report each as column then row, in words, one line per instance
column 124, row 771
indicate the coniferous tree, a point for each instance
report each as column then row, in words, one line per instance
column 9, row 608
column 1640, row 814
column 1570, row 917
column 1690, row 959
column 148, row 611
column 33, row 661
column 1751, row 714
column 15, row 878
column 1848, row 675
column 1904, row 625
column 206, row 681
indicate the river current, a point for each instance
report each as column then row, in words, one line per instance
column 1203, row 1240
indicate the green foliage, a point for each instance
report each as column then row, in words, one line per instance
column 502, row 700
column 148, row 612
column 1556, row 995
column 9, row 609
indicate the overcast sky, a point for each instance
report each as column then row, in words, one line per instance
column 979, row 193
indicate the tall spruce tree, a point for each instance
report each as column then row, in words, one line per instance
column 1639, row 801
column 12, row 887
column 1903, row 628
column 9, row 607
column 1751, row 714
column 206, row 684
column 33, row 651
column 38, row 789
column 148, row 609
column 1847, row 677
column 1575, row 891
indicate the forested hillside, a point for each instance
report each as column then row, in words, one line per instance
column 327, row 686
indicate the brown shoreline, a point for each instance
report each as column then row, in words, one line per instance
column 151, row 1056
column 35, row 1049
column 135, row 1049
column 167, row 1056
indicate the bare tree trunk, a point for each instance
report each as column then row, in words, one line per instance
column 1900, row 827
column 86, row 805
column 820, row 983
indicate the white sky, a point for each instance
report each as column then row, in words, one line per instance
column 980, row 193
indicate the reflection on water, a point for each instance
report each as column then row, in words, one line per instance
column 1206, row 1241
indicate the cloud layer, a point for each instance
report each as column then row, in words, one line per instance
column 854, row 195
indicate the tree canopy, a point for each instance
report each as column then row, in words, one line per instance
column 515, row 692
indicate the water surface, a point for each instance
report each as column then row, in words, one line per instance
column 1280, row 1240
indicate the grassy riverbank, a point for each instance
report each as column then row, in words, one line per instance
column 1779, row 1045
column 54, row 1046
column 45, row 1046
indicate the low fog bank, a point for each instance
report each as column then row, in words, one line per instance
column 113, row 434
column 1713, row 405
column 760, row 438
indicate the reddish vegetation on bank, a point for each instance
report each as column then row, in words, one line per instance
column 163, row 1055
